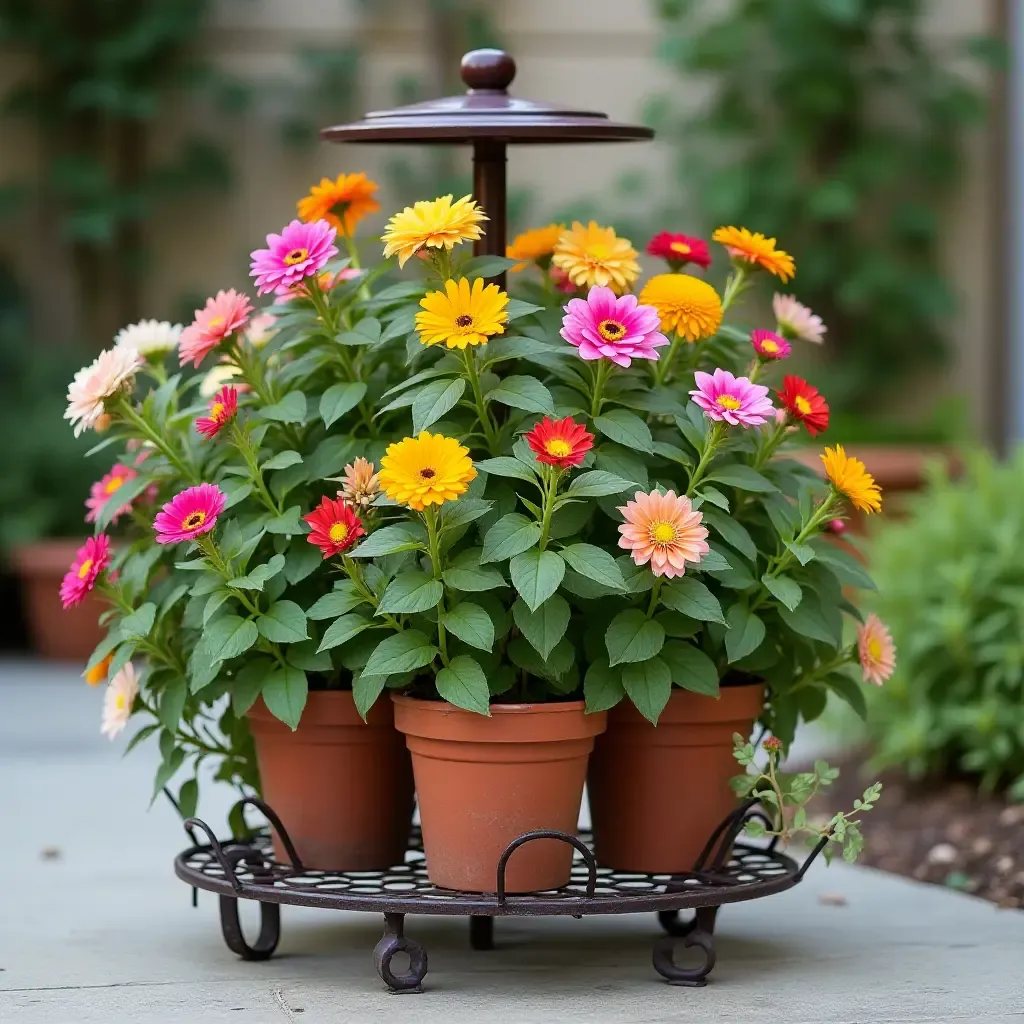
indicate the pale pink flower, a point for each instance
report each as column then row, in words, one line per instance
column 606, row 326
column 90, row 560
column 300, row 251
column 663, row 529
column 223, row 315
column 112, row 372
column 188, row 514
column 733, row 399
column 797, row 321
column 104, row 488
column 876, row 650
column 261, row 329
column 118, row 700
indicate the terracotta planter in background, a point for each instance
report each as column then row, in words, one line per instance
column 342, row 787
column 70, row 635
column 481, row 782
column 657, row 793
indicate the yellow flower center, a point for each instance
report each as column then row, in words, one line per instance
column 663, row 533
column 802, row 405
column 611, row 330
column 338, row 532
column 119, row 700
column 681, row 247
column 769, row 346
column 296, row 256
column 216, row 321
column 875, row 647
column 217, row 410
column 729, row 402
column 113, row 484
column 194, row 520
column 596, row 252
column 85, row 569
column 426, row 473
column 464, row 320
column 558, row 447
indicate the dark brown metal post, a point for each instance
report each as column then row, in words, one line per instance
column 489, row 175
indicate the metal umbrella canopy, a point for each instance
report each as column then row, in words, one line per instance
column 488, row 119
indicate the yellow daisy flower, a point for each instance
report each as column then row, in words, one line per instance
column 342, row 202
column 594, row 255
column 850, row 477
column 426, row 470
column 460, row 315
column 753, row 247
column 687, row 305
column 534, row 246
column 433, row 225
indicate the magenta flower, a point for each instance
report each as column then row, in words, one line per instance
column 105, row 488
column 187, row 515
column 769, row 345
column 223, row 315
column 603, row 326
column 90, row 560
column 733, row 399
column 300, row 251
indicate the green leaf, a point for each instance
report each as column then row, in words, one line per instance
column 731, row 532
column 291, row 409
column 342, row 630
column 632, row 637
column 301, row 561
column 125, row 494
column 387, row 541
column 509, row 536
column 810, row 621
column 463, row 512
column 843, row 565
column 743, row 478
column 627, row 429
column 305, row 656
column 850, row 691
column 172, row 703
column 517, row 308
column 257, row 577
column 471, row 624
column 486, row 266
column 340, row 399
column 508, row 467
column 365, row 691
column 140, row 622
column 595, row 563
column 188, row 798
column 649, row 686
column 284, row 622
column 464, row 684
column 803, row 553
column 167, row 768
column 783, row 589
column 691, row 597
column 602, row 686
column 228, row 637
column 467, row 575
column 544, row 627
column 746, row 631
column 536, row 575
column 691, row 669
column 526, row 393
column 402, row 652
column 103, row 648
column 434, row 400
column 284, row 693
column 282, row 460
column 336, row 603
column 411, row 592
column 248, row 683
column 290, row 522
column 598, row 484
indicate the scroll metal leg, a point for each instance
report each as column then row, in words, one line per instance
column 394, row 941
column 481, row 932
column 669, row 920
column 700, row 935
column 231, row 928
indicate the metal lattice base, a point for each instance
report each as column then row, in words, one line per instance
column 726, row 872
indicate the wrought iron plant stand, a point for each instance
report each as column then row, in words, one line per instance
column 726, row 872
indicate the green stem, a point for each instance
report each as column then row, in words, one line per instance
column 734, row 287
column 663, row 367
column 185, row 469
column 243, row 443
column 354, row 573
column 711, row 443
column 600, row 377
column 655, row 595
column 770, row 444
column 490, row 432
column 549, row 490
column 430, row 518
column 209, row 548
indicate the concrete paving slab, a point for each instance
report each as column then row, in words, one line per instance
column 102, row 931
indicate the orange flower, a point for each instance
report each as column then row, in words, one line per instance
column 342, row 203
column 95, row 675
column 534, row 246
column 753, row 247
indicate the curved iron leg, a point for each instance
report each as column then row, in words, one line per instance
column 669, row 920
column 481, row 932
column 700, row 935
column 394, row 941
column 231, row 928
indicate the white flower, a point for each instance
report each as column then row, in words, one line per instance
column 114, row 370
column 261, row 329
column 217, row 377
column 797, row 321
column 150, row 337
column 118, row 700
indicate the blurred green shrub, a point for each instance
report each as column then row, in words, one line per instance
column 951, row 589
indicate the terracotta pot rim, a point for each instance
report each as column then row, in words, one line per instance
column 538, row 708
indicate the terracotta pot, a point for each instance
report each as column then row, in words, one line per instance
column 481, row 782
column 70, row 635
column 657, row 793
column 341, row 786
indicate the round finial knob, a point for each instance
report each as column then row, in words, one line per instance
column 488, row 69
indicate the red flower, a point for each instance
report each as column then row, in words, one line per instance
column 335, row 527
column 805, row 404
column 772, row 743
column 223, row 407
column 678, row 250
column 560, row 443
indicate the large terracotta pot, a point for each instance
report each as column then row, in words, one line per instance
column 657, row 793
column 70, row 635
column 341, row 786
column 482, row 781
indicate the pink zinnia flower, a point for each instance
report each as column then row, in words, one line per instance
column 300, row 251
column 733, row 399
column 603, row 326
column 112, row 371
column 769, row 345
column 663, row 529
column 876, row 650
column 90, row 560
column 223, row 407
column 104, row 488
column 187, row 515
column 677, row 250
column 797, row 321
column 223, row 315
